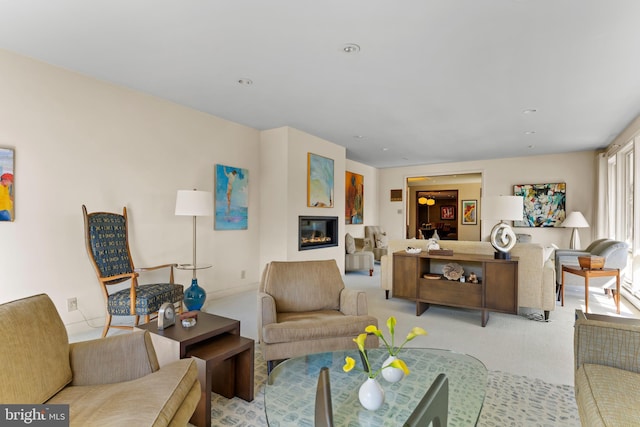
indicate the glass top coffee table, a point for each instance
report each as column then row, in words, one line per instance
column 291, row 389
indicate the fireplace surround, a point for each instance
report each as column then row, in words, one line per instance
column 317, row 232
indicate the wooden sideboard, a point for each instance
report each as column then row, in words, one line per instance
column 497, row 289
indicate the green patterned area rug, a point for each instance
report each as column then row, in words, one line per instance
column 511, row 400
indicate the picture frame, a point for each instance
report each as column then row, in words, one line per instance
column 395, row 195
column 448, row 212
column 354, row 198
column 544, row 204
column 469, row 209
column 7, row 187
column 231, row 198
column 319, row 181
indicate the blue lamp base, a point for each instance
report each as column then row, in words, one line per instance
column 194, row 296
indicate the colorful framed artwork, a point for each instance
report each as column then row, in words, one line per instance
column 469, row 212
column 448, row 212
column 354, row 198
column 319, row 181
column 231, row 198
column 7, row 189
column 544, row 204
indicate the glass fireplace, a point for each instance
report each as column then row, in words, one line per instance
column 317, row 232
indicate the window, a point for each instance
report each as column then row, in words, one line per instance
column 623, row 216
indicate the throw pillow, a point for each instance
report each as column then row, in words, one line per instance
column 381, row 240
column 350, row 243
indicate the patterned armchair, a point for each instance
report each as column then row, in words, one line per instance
column 107, row 244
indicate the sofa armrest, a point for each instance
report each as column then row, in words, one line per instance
column 113, row 359
column 606, row 343
column 353, row 302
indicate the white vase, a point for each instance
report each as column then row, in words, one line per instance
column 391, row 374
column 371, row 394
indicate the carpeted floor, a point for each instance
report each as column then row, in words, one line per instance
column 511, row 400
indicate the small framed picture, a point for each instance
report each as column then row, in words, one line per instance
column 447, row 212
column 469, row 210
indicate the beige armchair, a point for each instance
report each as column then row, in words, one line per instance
column 607, row 369
column 114, row 381
column 304, row 308
column 375, row 239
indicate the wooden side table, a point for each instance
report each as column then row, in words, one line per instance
column 223, row 357
column 587, row 274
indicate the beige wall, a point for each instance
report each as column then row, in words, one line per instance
column 499, row 176
column 287, row 174
column 81, row 141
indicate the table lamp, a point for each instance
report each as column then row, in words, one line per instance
column 502, row 208
column 575, row 220
column 194, row 203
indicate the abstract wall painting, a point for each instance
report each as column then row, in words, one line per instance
column 231, row 198
column 469, row 212
column 319, row 181
column 354, row 198
column 7, row 190
column 544, row 204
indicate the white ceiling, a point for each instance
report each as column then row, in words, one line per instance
column 435, row 80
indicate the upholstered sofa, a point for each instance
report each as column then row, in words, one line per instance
column 607, row 370
column 114, row 381
column 536, row 271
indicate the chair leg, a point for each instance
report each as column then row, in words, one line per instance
column 107, row 324
column 137, row 320
column 371, row 272
column 147, row 317
column 386, row 294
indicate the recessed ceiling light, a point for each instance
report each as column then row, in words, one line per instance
column 358, row 136
column 385, row 149
column 351, row 48
column 530, row 147
column 530, row 132
column 245, row 82
column 529, row 111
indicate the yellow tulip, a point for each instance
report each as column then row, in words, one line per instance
column 415, row 332
column 373, row 330
column 360, row 341
column 391, row 325
column 349, row 364
column 400, row 365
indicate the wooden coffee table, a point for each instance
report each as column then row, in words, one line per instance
column 587, row 274
column 223, row 357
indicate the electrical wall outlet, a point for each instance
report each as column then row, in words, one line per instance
column 72, row 304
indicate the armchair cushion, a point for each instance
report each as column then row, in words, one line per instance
column 350, row 244
column 149, row 298
column 382, row 241
column 304, row 286
column 30, row 374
